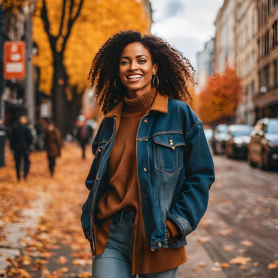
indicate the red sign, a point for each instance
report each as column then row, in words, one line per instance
column 14, row 60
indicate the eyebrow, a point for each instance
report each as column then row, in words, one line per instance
column 126, row 57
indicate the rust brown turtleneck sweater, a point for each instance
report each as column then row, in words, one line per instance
column 123, row 192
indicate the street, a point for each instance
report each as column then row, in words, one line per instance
column 42, row 234
column 241, row 219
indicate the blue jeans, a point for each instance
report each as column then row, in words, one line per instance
column 116, row 260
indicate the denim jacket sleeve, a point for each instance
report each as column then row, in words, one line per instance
column 199, row 177
column 90, row 180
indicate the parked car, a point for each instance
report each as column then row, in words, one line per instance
column 263, row 146
column 219, row 139
column 238, row 138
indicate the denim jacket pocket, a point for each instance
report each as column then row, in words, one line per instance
column 168, row 152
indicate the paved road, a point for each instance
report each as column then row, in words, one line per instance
column 242, row 219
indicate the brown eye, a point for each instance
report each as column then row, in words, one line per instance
column 142, row 61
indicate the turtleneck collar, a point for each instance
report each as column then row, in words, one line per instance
column 141, row 103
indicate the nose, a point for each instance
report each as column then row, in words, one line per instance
column 133, row 66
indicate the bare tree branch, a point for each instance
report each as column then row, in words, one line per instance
column 44, row 17
column 62, row 18
column 71, row 22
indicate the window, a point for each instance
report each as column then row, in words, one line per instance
column 252, row 88
column 274, row 37
column 266, row 77
column 267, row 41
column 260, row 79
column 275, row 74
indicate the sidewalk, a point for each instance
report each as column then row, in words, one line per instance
column 199, row 263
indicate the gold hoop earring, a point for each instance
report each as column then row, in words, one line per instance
column 115, row 84
column 157, row 80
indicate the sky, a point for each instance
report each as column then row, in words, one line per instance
column 185, row 24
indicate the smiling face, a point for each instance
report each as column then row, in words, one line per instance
column 136, row 69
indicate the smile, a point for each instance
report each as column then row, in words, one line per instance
column 134, row 77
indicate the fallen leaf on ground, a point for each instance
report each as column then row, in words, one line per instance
column 62, row 260
column 81, row 262
column 203, row 239
column 246, row 243
column 216, row 268
column 196, row 269
column 225, row 265
column 84, row 275
column 39, row 261
column 272, row 266
column 256, row 263
column 240, row 260
column 228, row 247
column 241, row 251
column 202, row 264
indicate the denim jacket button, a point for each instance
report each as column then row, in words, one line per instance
column 145, row 170
column 146, row 120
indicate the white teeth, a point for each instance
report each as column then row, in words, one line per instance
column 134, row 76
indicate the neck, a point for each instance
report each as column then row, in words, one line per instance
column 137, row 93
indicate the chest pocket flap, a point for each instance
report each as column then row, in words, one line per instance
column 168, row 152
column 169, row 140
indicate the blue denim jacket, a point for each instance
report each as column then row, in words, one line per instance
column 175, row 170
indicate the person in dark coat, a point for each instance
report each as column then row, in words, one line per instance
column 84, row 133
column 20, row 141
column 53, row 144
column 2, row 143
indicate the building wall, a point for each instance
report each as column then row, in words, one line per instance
column 245, row 57
column 266, row 97
column 12, row 28
column 204, row 65
column 224, row 35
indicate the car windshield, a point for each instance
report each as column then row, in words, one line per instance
column 272, row 126
column 242, row 131
column 222, row 129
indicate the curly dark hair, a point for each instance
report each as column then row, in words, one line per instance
column 173, row 72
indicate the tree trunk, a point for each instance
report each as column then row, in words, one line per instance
column 60, row 103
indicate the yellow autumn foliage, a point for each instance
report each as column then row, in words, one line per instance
column 97, row 21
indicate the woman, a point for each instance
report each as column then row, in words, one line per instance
column 53, row 145
column 150, row 179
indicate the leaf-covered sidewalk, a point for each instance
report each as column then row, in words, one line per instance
column 43, row 215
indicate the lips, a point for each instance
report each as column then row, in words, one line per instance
column 134, row 77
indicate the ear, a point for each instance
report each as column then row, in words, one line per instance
column 155, row 68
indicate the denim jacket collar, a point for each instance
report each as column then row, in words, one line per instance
column 160, row 104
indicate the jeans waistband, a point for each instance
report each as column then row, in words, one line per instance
column 120, row 215
column 126, row 214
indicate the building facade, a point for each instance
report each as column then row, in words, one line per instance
column 224, row 47
column 204, row 63
column 245, row 58
column 266, row 97
column 12, row 28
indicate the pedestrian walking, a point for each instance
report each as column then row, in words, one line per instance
column 20, row 141
column 84, row 133
column 150, row 178
column 2, row 143
column 53, row 145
